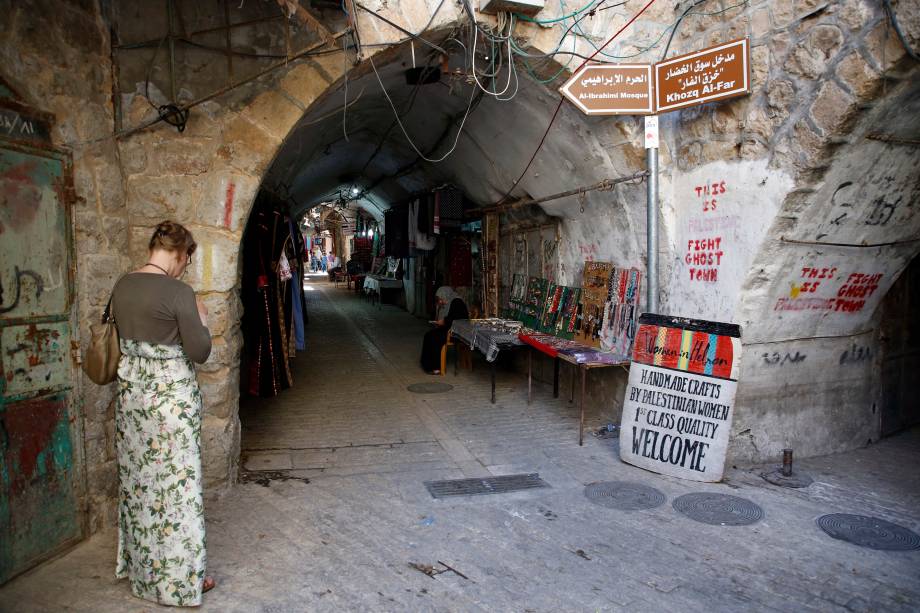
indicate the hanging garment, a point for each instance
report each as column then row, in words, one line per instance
column 297, row 299
column 397, row 228
column 161, row 530
column 422, row 240
column 425, row 221
column 460, row 262
column 450, row 208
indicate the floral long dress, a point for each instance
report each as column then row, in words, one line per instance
column 161, row 535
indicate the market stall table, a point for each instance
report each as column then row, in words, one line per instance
column 582, row 357
column 375, row 284
column 489, row 337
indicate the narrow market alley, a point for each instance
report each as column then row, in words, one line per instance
column 332, row 512
column 482, row 305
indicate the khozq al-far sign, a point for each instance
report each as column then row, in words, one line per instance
column 611, row 89
column 716, row 73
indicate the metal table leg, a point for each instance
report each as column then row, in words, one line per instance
column 555, row 377
column 574, row 377
column 493, row 382
column 529, row 374
column 581, row 423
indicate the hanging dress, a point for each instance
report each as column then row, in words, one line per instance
column 161, row 530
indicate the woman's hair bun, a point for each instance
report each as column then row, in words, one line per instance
column 172, row 236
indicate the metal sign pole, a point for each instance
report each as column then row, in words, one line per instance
column 651, row 160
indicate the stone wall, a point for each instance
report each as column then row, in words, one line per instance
column 783, row 152
column 56, row 55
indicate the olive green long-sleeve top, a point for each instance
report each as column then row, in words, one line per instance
column 158, row 309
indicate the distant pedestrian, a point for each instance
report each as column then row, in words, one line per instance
column 324, row 261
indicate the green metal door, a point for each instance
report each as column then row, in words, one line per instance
column 38, row 508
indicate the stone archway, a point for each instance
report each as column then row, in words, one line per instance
column 210, row 175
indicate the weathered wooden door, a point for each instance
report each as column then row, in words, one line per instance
column 38, row 508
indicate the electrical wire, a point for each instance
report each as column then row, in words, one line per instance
column 897, row 28
column 403, row 128
column 562, row 100
column 400, row 28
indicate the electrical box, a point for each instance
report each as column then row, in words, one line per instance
column 524, row 7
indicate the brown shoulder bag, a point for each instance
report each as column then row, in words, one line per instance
column 101, row 360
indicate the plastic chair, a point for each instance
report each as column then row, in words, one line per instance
column 449, row 343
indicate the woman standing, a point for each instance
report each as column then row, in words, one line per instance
column 163, row 329
column 450, row 307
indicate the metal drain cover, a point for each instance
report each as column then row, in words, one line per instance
column 489, row 485
column 870, row 532
column 718, row 509
column 430, row 388
column 624, row 496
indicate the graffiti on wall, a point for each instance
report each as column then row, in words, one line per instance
column 825, row 288
column 719, row 224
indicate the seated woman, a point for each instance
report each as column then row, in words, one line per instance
column 450, row 307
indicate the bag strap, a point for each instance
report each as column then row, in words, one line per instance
column 108, row 307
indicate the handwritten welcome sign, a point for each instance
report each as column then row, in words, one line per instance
column 677, row 413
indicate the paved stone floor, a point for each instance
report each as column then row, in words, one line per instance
column 334, row 509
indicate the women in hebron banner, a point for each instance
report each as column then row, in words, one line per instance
column 677, row 414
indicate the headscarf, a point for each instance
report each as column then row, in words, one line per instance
column 447, row 294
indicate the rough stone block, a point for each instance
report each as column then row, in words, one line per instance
column 138, row 240
column 757, row 122
column 305, row 82
column 217, row 385
column 215, row 266
column 102, row 478
column 116, row 233
column 781, row 98
column 760, row 23
column 714, row 150
column 808, row 145
column 220, row 448
column 883, row 46
column 780, row 45
column 153, row 199
column 783, row 13
column 246, row 147
column 726, row 117
column 752, row 148
column 813, row 54
column 225, row 352
column 225, row 200
column 178, row 155
column 855, row 14
column 760, row 65
column 858, row 76
column 831, row 107
column 133, row 152
column 88, row 235
column 110, row 188
column 689, row 155
column 274, row 113
column 224, row 311
column 96, row 275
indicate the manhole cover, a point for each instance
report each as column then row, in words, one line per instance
column 489, row 485
column 430, row 388
column 718, row 509
column 870, row 532
column 624, row 495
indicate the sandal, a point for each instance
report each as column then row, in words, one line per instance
column 208, row 585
